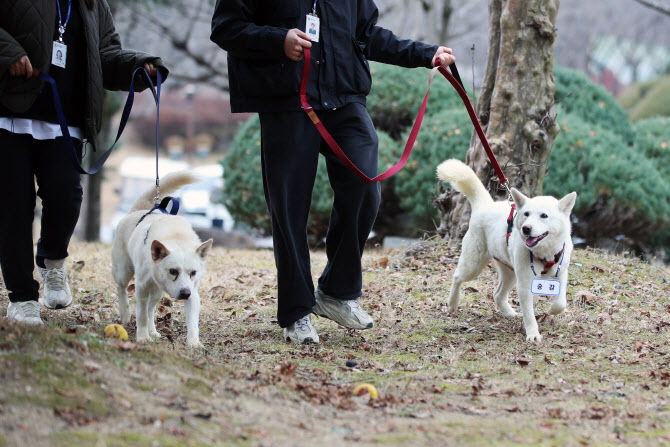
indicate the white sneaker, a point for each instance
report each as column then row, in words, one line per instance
column 347, row 313
column 56, row 290
column 26, row 312
column 301, row 331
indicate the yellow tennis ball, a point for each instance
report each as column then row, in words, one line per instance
column 116, row 331
column 366, row 388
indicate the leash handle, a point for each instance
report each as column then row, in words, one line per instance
column 156, row 92
column 455, row 81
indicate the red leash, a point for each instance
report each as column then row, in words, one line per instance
column 413, row 134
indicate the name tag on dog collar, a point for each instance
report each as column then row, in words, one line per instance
column 551, row 287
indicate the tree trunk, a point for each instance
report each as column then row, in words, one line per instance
column 515, row 106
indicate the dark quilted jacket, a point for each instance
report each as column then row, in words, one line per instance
column 263, row 79
column 27, row 28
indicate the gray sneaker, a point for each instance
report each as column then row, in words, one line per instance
column 56, row 292
column 344, row 312
column 26, row 312
column 301, row 331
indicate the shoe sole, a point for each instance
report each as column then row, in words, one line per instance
column 57, row 306
column 358, row 328
column 307, row 341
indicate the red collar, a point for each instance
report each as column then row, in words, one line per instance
column 548, row 264
column 510, row 222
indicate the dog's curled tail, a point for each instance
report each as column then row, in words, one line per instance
column 464, row 180
column 168, row 184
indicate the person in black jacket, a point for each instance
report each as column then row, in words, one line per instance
column 75, row 42
column 265, row 41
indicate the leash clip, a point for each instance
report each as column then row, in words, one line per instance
column 505, row 185
column 158, row 192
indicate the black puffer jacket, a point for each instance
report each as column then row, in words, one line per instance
column 27, row 28
column 263, row 79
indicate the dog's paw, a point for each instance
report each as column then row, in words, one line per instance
column 556, row 309
column 155, row 334
column 510, row 313
column 146, row 338
column 534, row 337
column 194, row 344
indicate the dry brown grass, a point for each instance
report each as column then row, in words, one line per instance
column 600, row 376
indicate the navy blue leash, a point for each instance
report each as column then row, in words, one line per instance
column 124, row 118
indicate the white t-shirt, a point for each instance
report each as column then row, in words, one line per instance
column 39, row 130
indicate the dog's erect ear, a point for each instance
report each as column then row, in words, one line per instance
column 519, row 198
column 158, row 251
column 567, row 202
column 204, row 248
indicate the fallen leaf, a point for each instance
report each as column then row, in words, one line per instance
column 523, row 361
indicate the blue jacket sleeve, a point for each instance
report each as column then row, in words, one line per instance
column 234, row 30
column 381, row 45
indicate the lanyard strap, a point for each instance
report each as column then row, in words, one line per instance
column 61, row 26
column 156, row 91
column 314, row 8
column 455, row 81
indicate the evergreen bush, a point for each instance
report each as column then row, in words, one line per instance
column 397, row 94
column 593, row 103
column 653, row 140
column 620, row 191
column 634, row 93
column 655, row 103
column 243, row 181
column 443, row 135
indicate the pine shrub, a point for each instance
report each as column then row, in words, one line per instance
column 397, row 94
column 653, row 140
column 244, row 183
column 620, row 191
column 593, row 103
column 443, row 135
column 656, row 102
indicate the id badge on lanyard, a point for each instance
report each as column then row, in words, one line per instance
column 312, row 24
column 59, row 50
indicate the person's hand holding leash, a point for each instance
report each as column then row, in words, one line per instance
column 443, row 57
column 22, row 67
column 294, row 43
column 149, row 67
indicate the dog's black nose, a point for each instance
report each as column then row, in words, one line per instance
column 526, row 230
column 184, row 294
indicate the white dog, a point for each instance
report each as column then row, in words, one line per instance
column 165, row 255
column 536, row 256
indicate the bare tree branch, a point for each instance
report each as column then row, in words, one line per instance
column 660, row 6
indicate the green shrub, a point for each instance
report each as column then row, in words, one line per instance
column 652, row 136
column 655, row 103
column 444, row 135
column 620, row 191
column 593, row 104
column 244, row 183
column 634, row 93
column 397, row 94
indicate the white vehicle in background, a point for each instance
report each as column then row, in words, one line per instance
column 199, row 202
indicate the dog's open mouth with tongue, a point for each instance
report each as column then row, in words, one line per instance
column 532, row 241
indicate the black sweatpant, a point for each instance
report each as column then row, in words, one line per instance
column 22, row 160
column 290, row 151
